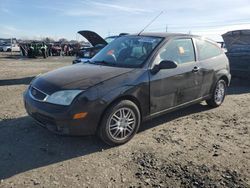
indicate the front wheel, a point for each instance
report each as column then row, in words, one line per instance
column 120, row 123
column 218, row 95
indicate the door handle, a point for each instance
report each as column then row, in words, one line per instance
column 196, row 69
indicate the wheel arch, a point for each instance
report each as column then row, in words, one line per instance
column 225, row 75
column 222, row 74
column 225, row 78
column 117, row 100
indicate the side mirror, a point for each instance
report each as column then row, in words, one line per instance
column 165, row 64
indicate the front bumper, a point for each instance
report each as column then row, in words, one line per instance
column 58, row 119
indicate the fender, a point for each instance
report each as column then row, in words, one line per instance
column 138, row 94
column 223, row 73
column 220, row 74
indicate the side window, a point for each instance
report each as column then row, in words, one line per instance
column 178, row 50
column 207, row 49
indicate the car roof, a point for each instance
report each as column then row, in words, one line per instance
column 165, row 35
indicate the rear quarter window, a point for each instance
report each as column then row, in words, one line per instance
column 207, row 49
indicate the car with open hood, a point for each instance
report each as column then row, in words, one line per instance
column 97, row 43
column 238, row 52
column 131, row 80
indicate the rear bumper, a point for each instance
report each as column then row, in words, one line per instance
column 58, row 119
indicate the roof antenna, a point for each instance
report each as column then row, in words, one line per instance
column 150, row 22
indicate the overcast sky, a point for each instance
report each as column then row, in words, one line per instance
column 33, row 19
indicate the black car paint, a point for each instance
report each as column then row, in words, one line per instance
column 72, row 77
column 104, row 85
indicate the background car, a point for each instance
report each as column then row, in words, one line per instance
column 238, row 52
column 133, row 79
column 9, row 48
column 1, row 47
column 97, row 43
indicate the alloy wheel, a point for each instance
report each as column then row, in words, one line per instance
column 219, row 93
column 121, row 123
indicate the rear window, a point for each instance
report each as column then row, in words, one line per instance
column 207, row 49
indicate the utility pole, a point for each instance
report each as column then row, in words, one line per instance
column 166, row 28
column 11, row 45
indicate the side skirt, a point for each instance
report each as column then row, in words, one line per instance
column 176, row 107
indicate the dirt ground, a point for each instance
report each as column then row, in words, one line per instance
column 193, row 147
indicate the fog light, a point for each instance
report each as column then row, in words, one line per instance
column 80, row 115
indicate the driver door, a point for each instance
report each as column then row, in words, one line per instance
column 173, row 87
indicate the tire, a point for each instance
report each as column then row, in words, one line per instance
column 120, row 123
column 218, row 95
column 8, row 50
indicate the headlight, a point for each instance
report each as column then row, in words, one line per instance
column 63, row 97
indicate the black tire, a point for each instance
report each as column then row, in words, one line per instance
column 8, row 50
column 105, row 132
column 214, row 102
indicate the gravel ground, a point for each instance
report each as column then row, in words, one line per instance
column 193, row 147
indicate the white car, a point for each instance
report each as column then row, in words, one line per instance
column 9, row 48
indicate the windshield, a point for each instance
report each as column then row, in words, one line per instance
column 127, row 51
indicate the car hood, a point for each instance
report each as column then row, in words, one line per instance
column 79, row 76
column 237, row 41
column 93, row 37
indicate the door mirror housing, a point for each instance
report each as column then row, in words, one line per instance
column 165, row 64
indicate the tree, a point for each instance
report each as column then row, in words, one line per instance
column 48, row 40
column 63, row 40
column 73, row 41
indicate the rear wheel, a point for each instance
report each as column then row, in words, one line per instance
column 219, row 94
column 120, row 123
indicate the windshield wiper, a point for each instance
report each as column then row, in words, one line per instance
column 103, row 62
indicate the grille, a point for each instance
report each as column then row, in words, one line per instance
column 37, row 94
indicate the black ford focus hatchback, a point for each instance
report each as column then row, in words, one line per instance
column 132, row 79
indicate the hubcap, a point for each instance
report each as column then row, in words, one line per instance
column 121, row 123
column 219, row 93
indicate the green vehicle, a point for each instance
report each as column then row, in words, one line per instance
column 36, row 49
